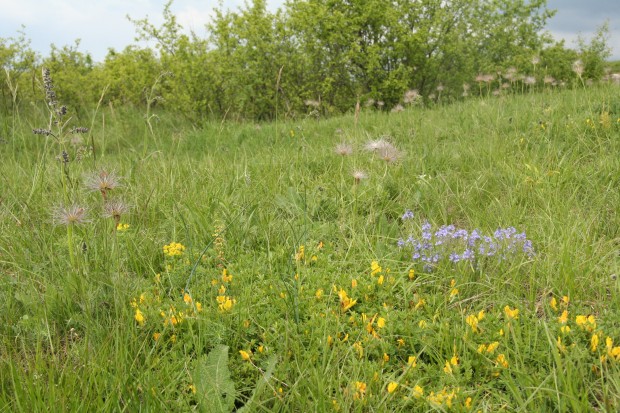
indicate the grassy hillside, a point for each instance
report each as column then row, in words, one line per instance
column 250, row 265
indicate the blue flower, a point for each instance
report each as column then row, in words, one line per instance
column 455, row 245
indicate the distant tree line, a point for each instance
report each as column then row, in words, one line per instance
column 314, row 56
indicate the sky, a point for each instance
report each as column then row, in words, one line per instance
column 103, row 24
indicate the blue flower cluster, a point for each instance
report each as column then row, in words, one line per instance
column 458, row 245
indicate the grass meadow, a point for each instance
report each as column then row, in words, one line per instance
column 455, row 258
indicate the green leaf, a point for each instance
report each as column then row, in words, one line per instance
column 214, row 388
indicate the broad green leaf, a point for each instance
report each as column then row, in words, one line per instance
column 214, row 388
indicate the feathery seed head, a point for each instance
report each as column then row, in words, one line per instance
column 102, row 181
column 69, row 215
column 114, row 209
column 578, row 67
column 358, row 175
column 344, row 149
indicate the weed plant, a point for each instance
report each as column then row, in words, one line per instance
column 259, row 269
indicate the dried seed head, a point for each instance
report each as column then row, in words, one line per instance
column 412, row 96
column 578, row 67
column 344, row 149
column 390, row 154
column 115, row 209
column 358, row 175
column 69, row 215
column 102, row 181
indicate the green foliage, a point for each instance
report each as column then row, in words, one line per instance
column 311, row 58
column 214, row 388
column 595, row 54
column 128, row 75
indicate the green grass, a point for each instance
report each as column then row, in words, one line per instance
column 245, row 197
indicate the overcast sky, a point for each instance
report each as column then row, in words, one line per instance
column 102, row 24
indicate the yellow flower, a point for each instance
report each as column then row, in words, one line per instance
column 374, row 268
column 565, row 300
column 418, row 391
column 588, row 323
column 412, row 361
column 482, row 348
column 501, row 360
column 381, row 322
column 411, row 274
column 120, row 227
column 173, row 249
column 594, row 342
column 422, row 324
column 226, row 276
column 156, row 336
column 386, row 357
column 491, row 348
column 221, row 290
column 564, row 317
column 592, row 321
column 300, row 255
column 360, row 390
column 245, row 355
column 359, row 348
column 391, row 388
column 192, row 388
column 380, row 280
column 511, row 313
column 225, row 303
column 139, row 317
column 187, row 298
column 468, row 403
column 472, row 320
column 345, row 301
column 400, row 342
column 353, row 283
column 553, row 303
column 454, row 360
column 481, row 315
column 447, row 368
column 319, row 293
column 565, row 329
column 454, row 292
